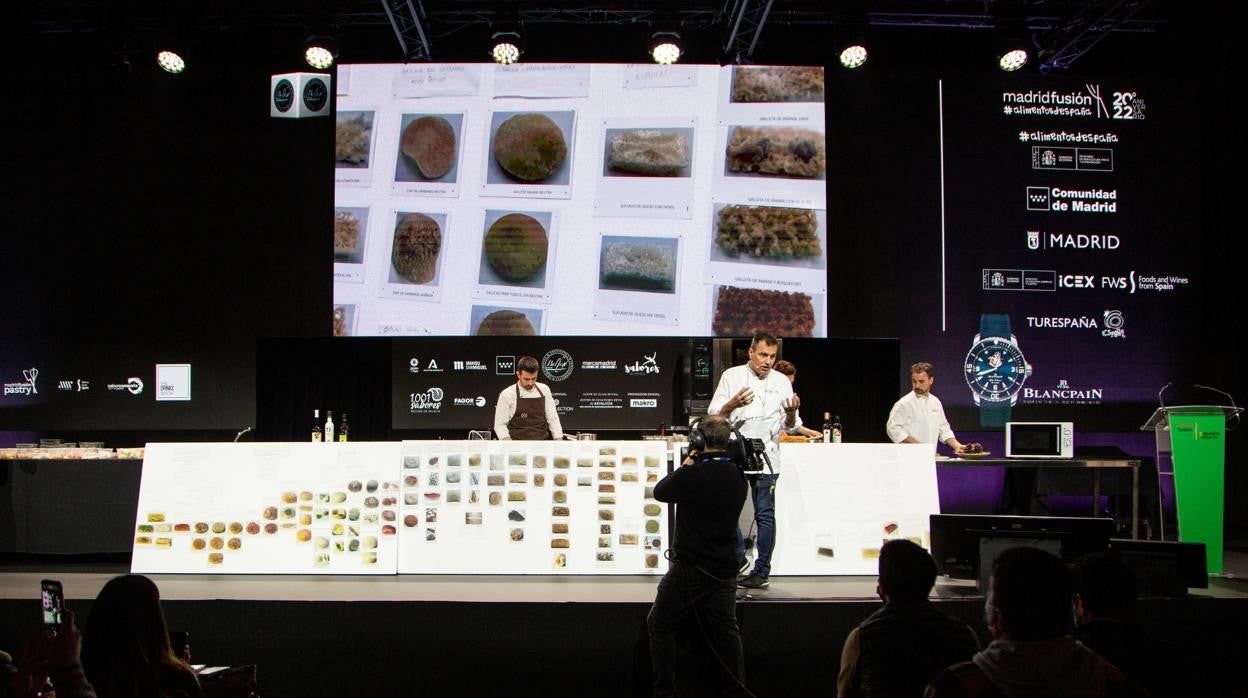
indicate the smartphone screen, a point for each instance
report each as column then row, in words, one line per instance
column 52, row 600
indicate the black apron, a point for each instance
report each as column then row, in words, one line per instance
column 529, row 421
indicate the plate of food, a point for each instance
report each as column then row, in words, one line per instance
column 973, row 451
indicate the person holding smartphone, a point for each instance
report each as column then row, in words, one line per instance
column 126, row 651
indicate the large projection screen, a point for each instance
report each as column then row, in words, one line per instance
column 578, row 199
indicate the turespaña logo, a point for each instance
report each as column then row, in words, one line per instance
column 1113, row 321
column 557, row 365
column 504, row 365
column 640, row 368
column 27, row 386
column 426, row 402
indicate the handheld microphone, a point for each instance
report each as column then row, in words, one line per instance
column 1160, row 401
column 239, row 435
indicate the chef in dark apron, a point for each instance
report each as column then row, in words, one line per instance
column 526, row 411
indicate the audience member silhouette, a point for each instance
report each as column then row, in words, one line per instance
column 898, row 649
column 1104, row 600
column 1032, row 655
column 125, row 648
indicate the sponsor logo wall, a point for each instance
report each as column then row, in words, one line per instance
column 622, row 384
column 1062, row 233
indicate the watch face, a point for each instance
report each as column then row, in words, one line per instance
column 995, row 369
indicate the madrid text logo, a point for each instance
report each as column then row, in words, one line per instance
column 1113, row 322
column 504, row 365
column 1039, row 240
column 557, row 365
column 27, row 386
column 428, row 401
column 640, row 368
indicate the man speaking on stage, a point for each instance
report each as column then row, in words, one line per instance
column 760, row 402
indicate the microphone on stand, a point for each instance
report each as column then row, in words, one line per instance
column 1224, row 393
column 1160, row 401
column 239, row 435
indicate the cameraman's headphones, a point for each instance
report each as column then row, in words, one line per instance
column 697, row 440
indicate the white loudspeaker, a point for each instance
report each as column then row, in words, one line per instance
column 299, row 95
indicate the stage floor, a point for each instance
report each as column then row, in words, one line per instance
column 83, row 581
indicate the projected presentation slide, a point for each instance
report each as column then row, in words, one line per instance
column 576, row 199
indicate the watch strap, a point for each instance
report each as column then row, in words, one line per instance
column 994, row 325
column 994, row 413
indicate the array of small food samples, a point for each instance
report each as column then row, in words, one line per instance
column 535, row 507
column 416, row 507
column 576, row 199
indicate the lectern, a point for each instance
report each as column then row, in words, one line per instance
column 1193, row 437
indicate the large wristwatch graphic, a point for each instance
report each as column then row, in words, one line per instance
column 995, row 370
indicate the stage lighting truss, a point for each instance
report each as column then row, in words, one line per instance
column 505, row 47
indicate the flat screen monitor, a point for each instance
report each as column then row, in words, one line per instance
column 956, row 538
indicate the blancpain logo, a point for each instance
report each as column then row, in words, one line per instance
column 428, row 401
column 641, row 368
column 133, row 385
column 27, row 386
column 1064, row 394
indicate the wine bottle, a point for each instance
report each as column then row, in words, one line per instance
column 342, row 429
column 316, row 426
column 836, row 429
column 329, row 426
column 827, row 427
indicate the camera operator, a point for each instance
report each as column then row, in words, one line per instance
column 708, row 491
column 761, row 403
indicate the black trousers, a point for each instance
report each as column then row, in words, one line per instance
column 683, row 590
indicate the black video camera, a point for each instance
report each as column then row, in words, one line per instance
column 749, row 455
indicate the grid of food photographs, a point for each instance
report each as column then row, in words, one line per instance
column 268, row 509
column 416, row 507
column 498, row 507
column 580, row 199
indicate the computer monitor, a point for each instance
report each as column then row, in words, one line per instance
column 957, row 538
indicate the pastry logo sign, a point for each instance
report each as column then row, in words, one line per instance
column 284, row 95
column 27, row 387
column 641, row 368
column 428, row 402
column 557, row 365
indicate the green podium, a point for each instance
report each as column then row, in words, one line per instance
column 1193, row 438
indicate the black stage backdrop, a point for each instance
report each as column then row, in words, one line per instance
column 157, row 221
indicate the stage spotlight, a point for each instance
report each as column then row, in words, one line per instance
column 505, row 47
column 170, row 61
column 320, row 51
column 665, row 47
column 1012, row 59
column 1011, row 37
column 854, row 56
